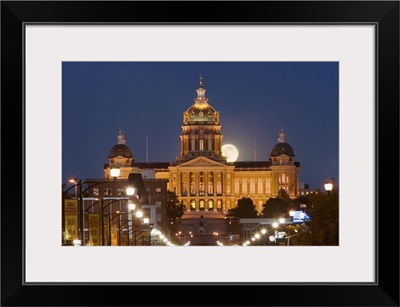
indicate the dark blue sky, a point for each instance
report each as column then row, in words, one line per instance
column 147, row 100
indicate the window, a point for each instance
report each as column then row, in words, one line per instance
column 260, row 186
column 158, row 191
column 107, row 192
column 96, row 191
column 201, row 204
column 237, row 186
column 184, row 192
column 210, row 188
column 148, row 191
column 120, row 191
column 192, row 204
column 219, row 187
column 268, row 187
column 201, row 144
column 201, row 184
column 252, row 186
column 244, row 186
column 158, row 204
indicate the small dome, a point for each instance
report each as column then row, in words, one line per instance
column 282, row 149
column 120, row 150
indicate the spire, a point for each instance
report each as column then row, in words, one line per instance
column 281, row 138
column 201, row 91
column 121, row 138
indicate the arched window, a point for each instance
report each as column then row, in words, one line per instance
column 237, row 186
column 244, row 186
column 268, row 187
column 252, row 186
column 260, row 186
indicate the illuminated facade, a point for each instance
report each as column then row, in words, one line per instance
column 201, row 176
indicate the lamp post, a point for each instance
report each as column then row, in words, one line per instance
column 263, row 232
column 79, row 191
column 78, row 188
column 275, row 225
column 328, row 188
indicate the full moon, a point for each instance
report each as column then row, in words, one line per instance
column 230, row 152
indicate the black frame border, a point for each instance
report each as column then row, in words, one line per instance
column 383, row 14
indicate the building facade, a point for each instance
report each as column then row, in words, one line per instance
column 201, row 177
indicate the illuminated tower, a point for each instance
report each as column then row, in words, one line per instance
column 201, row 131
column 285, row 171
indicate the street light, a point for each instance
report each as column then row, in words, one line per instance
column 275, row 225
column 328, row 186
column 78, row 185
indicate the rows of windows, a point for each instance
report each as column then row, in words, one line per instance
column 251, row 184
column 205, row 204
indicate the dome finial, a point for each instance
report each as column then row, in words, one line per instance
column 121, row 138
column 201, row 91
column 281, row 138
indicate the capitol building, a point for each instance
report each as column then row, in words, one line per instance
column 202, row 177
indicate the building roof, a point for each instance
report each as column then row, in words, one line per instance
column 120, row 149
column 282, row 148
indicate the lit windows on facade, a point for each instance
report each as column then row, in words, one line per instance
column 252, row 186
column 158, row 191
column 260, row 186
column 244, row 186
column 268, row 187
column 210, row 188
column 237, row 186
column 210, row 204
column 201, row 204
column 184, row 189
column 201, row 184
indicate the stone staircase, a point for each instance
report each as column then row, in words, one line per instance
column 203, row 228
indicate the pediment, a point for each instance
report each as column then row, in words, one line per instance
column 201, row 161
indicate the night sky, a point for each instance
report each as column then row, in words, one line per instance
column 146, row 100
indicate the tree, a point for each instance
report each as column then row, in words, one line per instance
column 245, row 208
column 276, row 208
column 323, row 229
column 175, row 210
